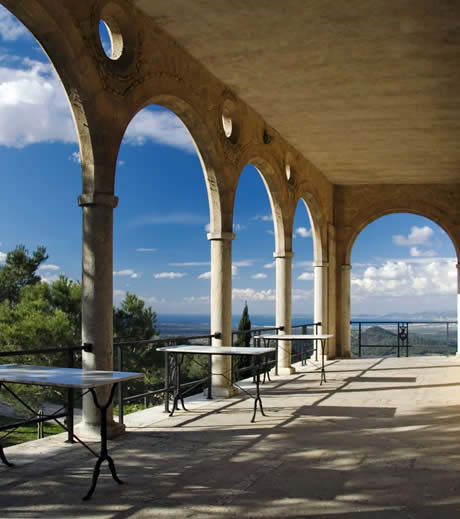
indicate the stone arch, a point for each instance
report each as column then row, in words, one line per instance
column 203, row 142
column 282, row 220
column 366, row 219
column 317, row 225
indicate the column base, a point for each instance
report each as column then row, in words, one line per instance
column 224, row 392
column 92, row 431
column 289, row 370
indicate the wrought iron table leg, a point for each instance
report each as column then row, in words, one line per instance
column 323, row 371
column 257, row 399
column 3, row 458
column 103, row 456
column 177, row 393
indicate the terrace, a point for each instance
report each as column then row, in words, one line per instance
column 379, row 439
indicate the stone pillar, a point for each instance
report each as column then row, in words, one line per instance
column 283, row 309
column 97, row 302
column 320, row 272
column 221, row 309
column 346, row 312
column 458, row 308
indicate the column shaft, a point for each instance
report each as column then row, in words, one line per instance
column 97, row 300
column 221, row 309
column 320, row 272
column 346, row 312
column 284, row 309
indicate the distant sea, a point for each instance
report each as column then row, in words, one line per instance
column 199, row 324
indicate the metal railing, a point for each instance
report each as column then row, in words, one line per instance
column 68, row 411
column 420, row 337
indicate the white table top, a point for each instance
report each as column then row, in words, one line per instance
column 299, row 337
column 217, row 350
column 62, row 377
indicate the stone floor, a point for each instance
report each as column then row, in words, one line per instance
column 381, row 439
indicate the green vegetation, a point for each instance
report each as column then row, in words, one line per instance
column 427, row 342
column 244, row 326
column 25, row 433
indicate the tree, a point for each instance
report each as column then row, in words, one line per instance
column 244, row 327
column 19, row 271
column 134, row 321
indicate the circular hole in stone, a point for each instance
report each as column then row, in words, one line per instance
column 111, row 38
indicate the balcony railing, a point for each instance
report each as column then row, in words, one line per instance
column 419, row 337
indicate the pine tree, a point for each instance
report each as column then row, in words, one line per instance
column 244, row 339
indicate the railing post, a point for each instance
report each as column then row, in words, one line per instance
column 209, row 397
column 166, row 382
column 359, row 338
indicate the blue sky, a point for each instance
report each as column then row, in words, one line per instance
column 161, row 253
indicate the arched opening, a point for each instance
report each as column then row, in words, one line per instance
column 303, row 278
column 161, row 252
column 253, row 268
column 403, row 276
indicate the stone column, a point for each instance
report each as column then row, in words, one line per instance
column 320, row 272
column 458, row 308
column 283, row 309
column 346, row 312
column 221, row 309
column 97, row 302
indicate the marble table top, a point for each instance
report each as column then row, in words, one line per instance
column 217, row 350
column 62, row 377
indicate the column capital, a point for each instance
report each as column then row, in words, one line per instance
column 287, row 254
column 222, row 236
column 99, row 199
column 346, row 267
column 320, row 264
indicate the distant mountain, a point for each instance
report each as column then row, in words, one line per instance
column 401, row 316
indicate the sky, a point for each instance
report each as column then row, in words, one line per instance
column 401, row 263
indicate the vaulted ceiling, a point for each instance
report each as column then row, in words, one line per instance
column 367, row 90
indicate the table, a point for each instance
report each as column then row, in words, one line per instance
column 322, row 338
column 177, row 354
column 69, row 378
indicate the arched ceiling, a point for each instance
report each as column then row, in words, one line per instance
column 367, row 90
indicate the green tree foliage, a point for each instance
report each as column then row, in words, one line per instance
column 19, row 271
column 244, row 326
column 45, row 316
column 133, row 322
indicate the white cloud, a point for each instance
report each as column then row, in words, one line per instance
column 10, row 28
column 190, row 264
column 401, row 278
column 234, row 270
column 259, row 275
column 33, row 106
column 144, row 249
column 49, row 279
column 244, row 263
column 303, row 232
column 270, row 265
column 303, row 264
column 127, row 272
column 160, row 127
column 196, row 299
column 306, row 276
column 301, row 295
column 249, row 294
column 49, row 267
column 205, row 275
column 238, row 227
column 2, row 257
column 263, row 217
column 415, row 252
column 121, row 163
column 207, row 227
column 169, row 275
column 417, row 236
column 75, row 157
column 271, row 232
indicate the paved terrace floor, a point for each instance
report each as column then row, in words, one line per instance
column 381, row 439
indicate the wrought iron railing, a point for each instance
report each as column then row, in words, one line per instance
column 68, row 410
column 419, row 337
